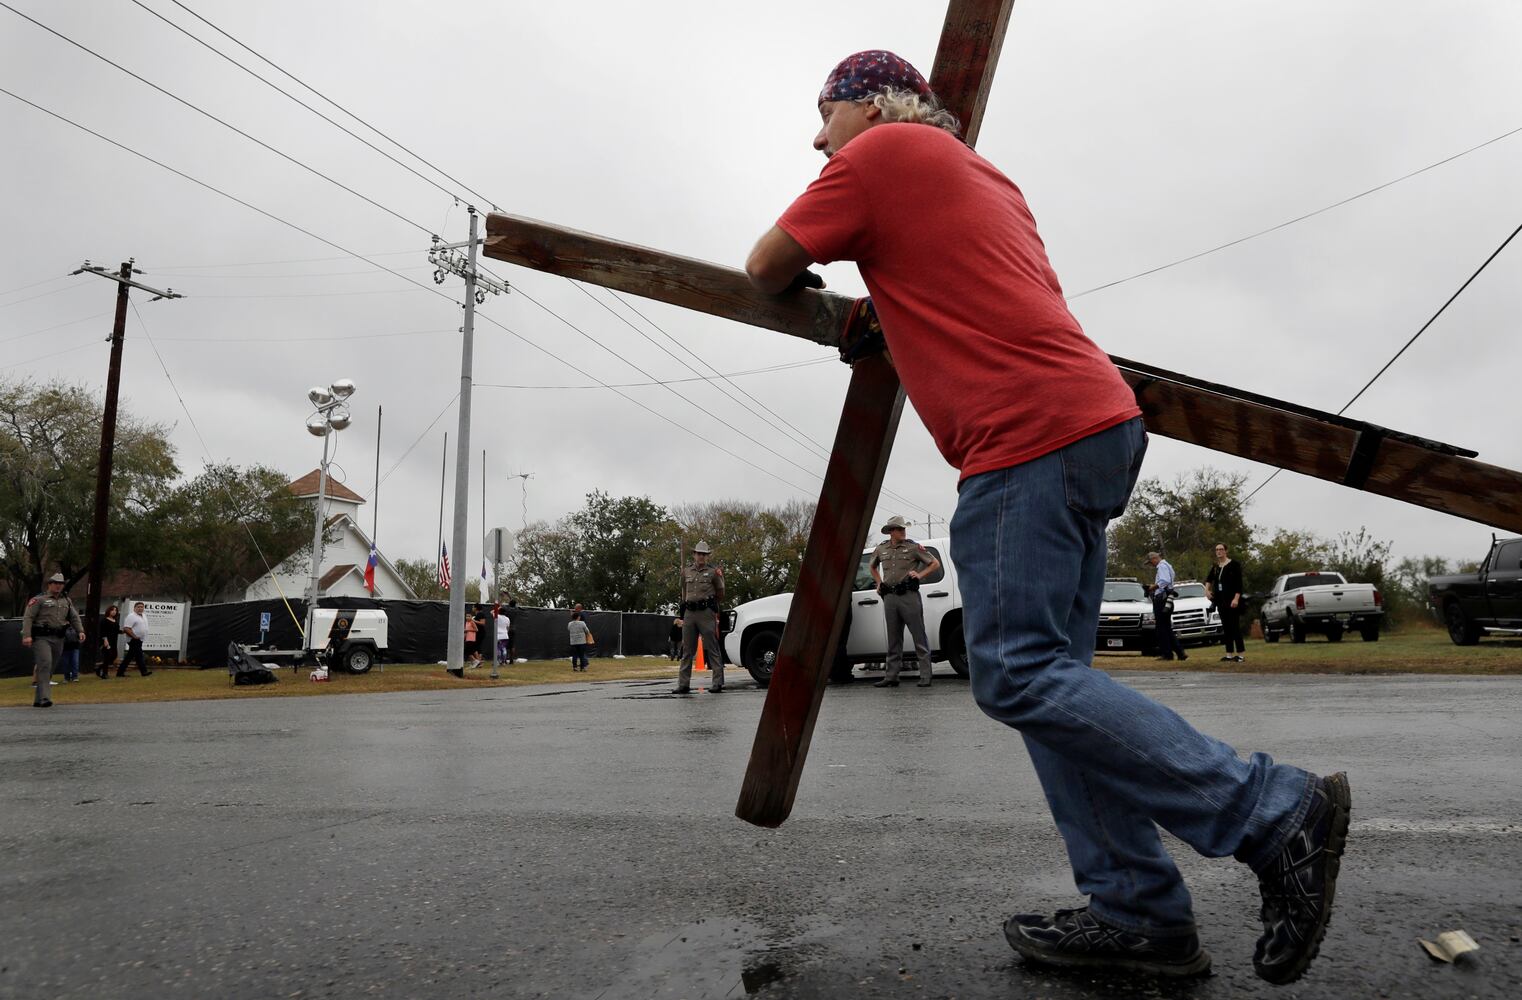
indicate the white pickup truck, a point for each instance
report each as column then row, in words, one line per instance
column 753, row 630
column 1320, row 601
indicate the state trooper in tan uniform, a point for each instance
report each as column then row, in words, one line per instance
column 42, row 627
column 702, row 593
column 898, row 565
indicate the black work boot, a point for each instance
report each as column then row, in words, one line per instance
column 1077, row 939
column 886, row 683
column 1298, row 886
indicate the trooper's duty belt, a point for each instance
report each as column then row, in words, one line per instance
column 47, row 630
column 907, row 585
column 706, row 604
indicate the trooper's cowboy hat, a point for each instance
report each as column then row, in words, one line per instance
column 57, row 578
column 701, row 549
column 896, row 521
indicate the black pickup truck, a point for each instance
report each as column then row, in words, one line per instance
column 1487, row 602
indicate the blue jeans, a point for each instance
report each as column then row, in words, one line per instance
column 1029, row 545
column 69, row 663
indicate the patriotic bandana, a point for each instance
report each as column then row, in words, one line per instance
column 865, row 73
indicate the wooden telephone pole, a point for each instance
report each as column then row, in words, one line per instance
column 101, row 523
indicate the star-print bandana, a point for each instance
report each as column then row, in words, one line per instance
column 865, row 73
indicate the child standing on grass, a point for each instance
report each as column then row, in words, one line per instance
column 581, row 638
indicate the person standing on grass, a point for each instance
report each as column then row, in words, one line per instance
column 504, row 631
column 1049, row 443
column 1168, row 643
column 581, row 638
column 1224, row 588
column 135, row 627
column 110, row 630
column 43, row 624
column 471, row 629
column 484, row 636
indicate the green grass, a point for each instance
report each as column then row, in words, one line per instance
column 183, row 684
column 1413, row 650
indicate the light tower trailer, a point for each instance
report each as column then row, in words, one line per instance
column 347, row 638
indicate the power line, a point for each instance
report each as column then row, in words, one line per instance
column 1396, row 356
column 160, row 272
column 293, row 97
column 340, row 107
column 772, row 451
column 1291, row 222
column 225, row 124
column 206, row 455
column 550, row 354
column 215, row 341
column 263, row 263
column 67, row 350
column 817, row 447
column 805, row 440
column 55, row 326
column 216, row 190
column 42, row 295
column 35, row 284
column 669, row 381
column 342, row 249
column 397, row 464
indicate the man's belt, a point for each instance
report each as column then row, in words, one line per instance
column 907, row 585
column 47, row 630
column 706, row 604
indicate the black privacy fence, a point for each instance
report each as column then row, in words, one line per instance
column 417, row 631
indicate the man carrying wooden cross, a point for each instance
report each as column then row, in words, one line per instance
column 1049, row 442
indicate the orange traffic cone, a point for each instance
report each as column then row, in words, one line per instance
column 697, row 663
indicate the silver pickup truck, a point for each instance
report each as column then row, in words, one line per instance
column 1321, row 601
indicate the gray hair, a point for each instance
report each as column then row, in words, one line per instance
column 900, row 105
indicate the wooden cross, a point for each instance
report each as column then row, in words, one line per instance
column 1356, row 454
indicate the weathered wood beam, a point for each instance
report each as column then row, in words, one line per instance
column 681, row 281
column 1221, row 418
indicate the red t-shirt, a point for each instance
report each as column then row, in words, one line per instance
column 994, row 363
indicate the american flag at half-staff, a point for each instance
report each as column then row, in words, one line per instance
column 444, row 565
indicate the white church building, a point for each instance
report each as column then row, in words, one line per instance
column 344, row 554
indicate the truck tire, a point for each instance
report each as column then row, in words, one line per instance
column 760, row 654
column 1370, row 633
column 1461, row 630
column 954, row 645
column 1296, row 629
column 1269, row 634
column 358, row 659
column 1334, row 632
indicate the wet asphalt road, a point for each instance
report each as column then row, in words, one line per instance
column 579, row 842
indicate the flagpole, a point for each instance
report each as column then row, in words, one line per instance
column 439, row 548
column 484, row 591
column 375, row 490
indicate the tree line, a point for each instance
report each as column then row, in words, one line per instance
column 1185, row 518
column 201, row 535
column 623, row 553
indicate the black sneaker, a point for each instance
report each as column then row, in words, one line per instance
column 1299, row 885
column 1078, row 939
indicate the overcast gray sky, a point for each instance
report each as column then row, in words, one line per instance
column 1139, row 132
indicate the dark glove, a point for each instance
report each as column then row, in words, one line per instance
column 863, row 335
column 805, row 279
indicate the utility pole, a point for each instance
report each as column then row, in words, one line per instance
column 446, row 260
column 101, row 523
